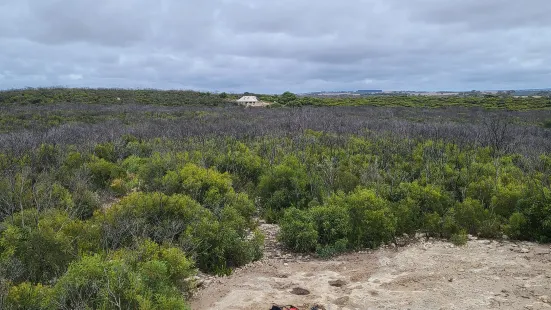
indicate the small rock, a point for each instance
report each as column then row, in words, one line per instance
column 544, row 299
column 450, row 280
column 505, row 237
column 471, row 237
column 420, row 235
column 337, row 283
column 285, row 264
column 524, row 250
column 300, row 291
column 342, row 301
column 540, row 251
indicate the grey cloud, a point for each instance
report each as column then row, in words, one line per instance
column 273, row 46
column 485, row 14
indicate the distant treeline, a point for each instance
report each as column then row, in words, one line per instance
column 188, row 97
column 109, row 96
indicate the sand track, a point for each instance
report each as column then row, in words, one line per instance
column 425, row 275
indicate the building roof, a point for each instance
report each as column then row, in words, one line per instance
column 248, row 99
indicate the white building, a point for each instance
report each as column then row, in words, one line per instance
column 248, row 100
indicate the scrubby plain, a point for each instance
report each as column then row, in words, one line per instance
column 114, row 199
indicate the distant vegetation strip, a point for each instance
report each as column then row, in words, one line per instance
column 187, row 97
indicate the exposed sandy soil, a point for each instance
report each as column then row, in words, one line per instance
column 424, row 275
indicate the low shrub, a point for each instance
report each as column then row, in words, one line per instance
column 460, row 238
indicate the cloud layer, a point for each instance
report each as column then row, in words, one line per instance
column 273, row 46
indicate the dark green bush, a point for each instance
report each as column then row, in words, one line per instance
column 298, row 231
column 358, row 220
column 470, row 215
column 38, row 247
column 106, row 151
column 328, row 251
column 372, row 222
column 283, row 187
column 517, row 227
column 103, row 172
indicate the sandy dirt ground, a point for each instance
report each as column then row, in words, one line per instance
column 425, row 274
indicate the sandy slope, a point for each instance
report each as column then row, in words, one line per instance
column 425, row 275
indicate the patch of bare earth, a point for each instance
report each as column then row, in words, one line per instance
column 424, row 275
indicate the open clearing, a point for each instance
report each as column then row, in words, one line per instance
column 432, row 274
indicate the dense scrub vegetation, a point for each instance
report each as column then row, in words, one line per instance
column 178, row 98
column 117, row 206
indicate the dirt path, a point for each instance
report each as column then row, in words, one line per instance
column 425, row 275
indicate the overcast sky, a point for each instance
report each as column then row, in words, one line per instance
column 276, row 45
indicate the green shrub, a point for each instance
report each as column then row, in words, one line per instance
column 132, row 164
column 48, row 194
column 449, row 224
column 332, row 223
column 482, row 190
column 149, row 215
column 218, row 245
column 283, row 187
column 516, row 227
column 432, row 224
column 505, row 200
column 85, row 203
column 430, row 198
column 150, row 277
column 26, row 296
column 469, row 215
column 209, row 187
column 408, row 216
column 152, row 171
column 460, row 238
column 243, row 164
column 103, row 172
column 535, row 205
column 47, row 156
column 372, row 222
column 298, row 232
column 43, row 244
column 328, row 251
column 491, row 227
column 105, row 151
